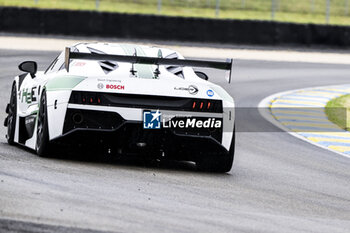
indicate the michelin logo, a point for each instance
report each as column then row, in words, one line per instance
column 151, row 119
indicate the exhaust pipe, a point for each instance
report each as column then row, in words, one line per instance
column 78, row 118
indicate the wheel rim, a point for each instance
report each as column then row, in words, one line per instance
column 41, row 121
column 12, row 112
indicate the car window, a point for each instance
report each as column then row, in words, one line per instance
column 62, row 66
column 51, row 65
column 56, row 64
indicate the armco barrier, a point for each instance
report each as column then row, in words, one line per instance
column 89, row 23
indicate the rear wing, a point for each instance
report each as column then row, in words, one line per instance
column 228, row 65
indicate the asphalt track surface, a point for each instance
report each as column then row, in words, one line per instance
column 278, row 183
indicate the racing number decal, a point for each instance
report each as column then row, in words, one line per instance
column 28, row 95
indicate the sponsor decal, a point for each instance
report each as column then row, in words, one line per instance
column 155, row 120
column 100, row 86
column 80, row 64
column 29, row 120
column 115, row 87
column 193, row 122
column 151, row 119
column 28, row 95
column 210, row 93
column 108, row 80
column 191, row 89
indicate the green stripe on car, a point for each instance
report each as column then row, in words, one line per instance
column 63, row 83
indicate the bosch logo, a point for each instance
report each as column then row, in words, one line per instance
column 115, row 87
column 100, row 86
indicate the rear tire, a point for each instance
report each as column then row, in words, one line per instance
column 42, row 132
column 218, row 163
column 12, row 116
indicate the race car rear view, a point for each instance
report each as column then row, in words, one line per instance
column 124, row 99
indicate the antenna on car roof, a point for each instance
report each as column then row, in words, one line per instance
column 157, row 72
column 133, row 71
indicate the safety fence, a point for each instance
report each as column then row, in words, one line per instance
column 302, row 11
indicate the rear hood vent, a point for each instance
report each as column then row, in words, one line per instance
column 107, row 66
column 174, row 69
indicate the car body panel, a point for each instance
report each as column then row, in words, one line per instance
column 115, row 78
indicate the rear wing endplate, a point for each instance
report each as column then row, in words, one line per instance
column 227, row 65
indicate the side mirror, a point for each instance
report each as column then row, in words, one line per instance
column 29, row 67
column 202, row 75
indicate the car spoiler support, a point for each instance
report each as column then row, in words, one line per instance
column 227, row 65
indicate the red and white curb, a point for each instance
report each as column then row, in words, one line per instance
column 301, row 114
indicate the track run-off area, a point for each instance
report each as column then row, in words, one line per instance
column 278, row 183
column 302, row 113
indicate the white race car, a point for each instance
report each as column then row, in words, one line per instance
column 127, row 100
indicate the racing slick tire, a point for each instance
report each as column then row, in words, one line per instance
column 218, row 163
column 42, row 141
column 12, row 115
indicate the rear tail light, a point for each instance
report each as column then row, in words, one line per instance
column 146, row 102
column 207, row 105
column 86, row 98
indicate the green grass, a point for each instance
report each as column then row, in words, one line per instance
column 338, row 111
column 299, row 11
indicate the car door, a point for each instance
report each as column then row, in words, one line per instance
column 31, row 87
column 28, row 95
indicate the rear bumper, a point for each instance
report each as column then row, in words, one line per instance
column 102, row 129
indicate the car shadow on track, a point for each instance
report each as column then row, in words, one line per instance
column 119, row 161
column 130, row 162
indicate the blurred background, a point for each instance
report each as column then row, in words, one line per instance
column 334, row 12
